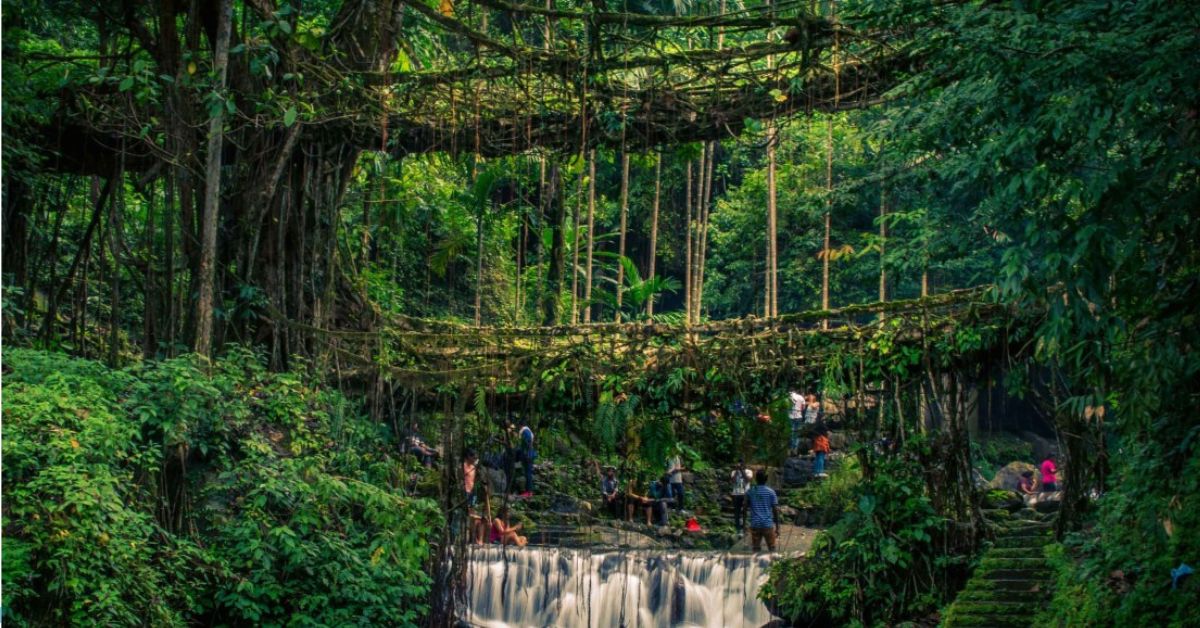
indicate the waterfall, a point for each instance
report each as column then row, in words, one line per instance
column 534, row 587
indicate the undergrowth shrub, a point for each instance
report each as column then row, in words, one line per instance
column 1117, row 570
column 165, row 494
column 828, row 499
column 881, row 562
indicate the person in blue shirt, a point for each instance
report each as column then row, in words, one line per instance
column 660, row 492
column 764, row 513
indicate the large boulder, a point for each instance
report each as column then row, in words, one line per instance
column 494, row 479
column 1042, row 446
column 1009, row 476
column 797, row 471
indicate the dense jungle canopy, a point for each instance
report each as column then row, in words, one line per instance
column 275, row 236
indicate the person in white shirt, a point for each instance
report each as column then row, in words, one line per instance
column 740, row 480
column 812, row 410
column 796, row 416
column 675, row 470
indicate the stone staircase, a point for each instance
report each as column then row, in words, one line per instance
column 1013, row 580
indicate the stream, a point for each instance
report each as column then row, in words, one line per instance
column 535, row 587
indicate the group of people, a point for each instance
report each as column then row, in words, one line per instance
column 1049, row 470
column 625, row 503
column 805, row 411
column 483, row 527
column 751, row 494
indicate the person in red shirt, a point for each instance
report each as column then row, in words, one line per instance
column 821, row 449
column 1049, row 474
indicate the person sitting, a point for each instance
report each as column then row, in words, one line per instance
column 610, row 491
column 418, row 448
column 633, row 501
column 1025, row 485
column 479, row 524
column 504, row 534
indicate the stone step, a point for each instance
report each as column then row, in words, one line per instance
column 1020, row 551
column 1016, row 582
column 987, row 621
column 996, row 607
column 1024, row 530
column 990, row 563
column 1023, row 540
column 987, row 594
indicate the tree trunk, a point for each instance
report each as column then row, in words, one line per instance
column 575, row 244
column 169, row 233
column 654, row 232
column 479, row 223
column 828, row 220
column 882, row 247
column 150, row 293
column 772, row 300
column 704, row 212
column 591, row 237
column 212, row 191
column 621, row 238
column 115, row 245
column 687, row 258
column 557, row 211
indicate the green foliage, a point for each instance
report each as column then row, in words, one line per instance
column 833, row 496
column 164, row 494
column 993, row 452
column 882, row 562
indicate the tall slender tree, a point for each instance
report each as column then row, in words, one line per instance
column 591, row 236
column 212, row 187
column 654, row 230
column 623, row 230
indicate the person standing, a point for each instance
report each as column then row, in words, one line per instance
column 812, row 410
column 820, row 451
column 528, row 454
column 660, row 492
column 796, row 417
column 1049, row 474
column 470, row 468
column 764, row 513
column 740, row 481
column 675, row 470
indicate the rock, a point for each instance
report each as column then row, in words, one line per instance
column 494, row 479
column 788, row 513
column 1009, row 476
column 568, row 505
column 1042, row 446
column 1047, row 502
column 797, row 471
column 838, row 440
column 612, row 537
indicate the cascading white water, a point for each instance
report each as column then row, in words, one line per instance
column 535, row 587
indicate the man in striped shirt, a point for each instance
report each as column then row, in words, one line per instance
column 764, row 513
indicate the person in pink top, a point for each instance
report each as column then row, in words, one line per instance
column 1049, row 474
